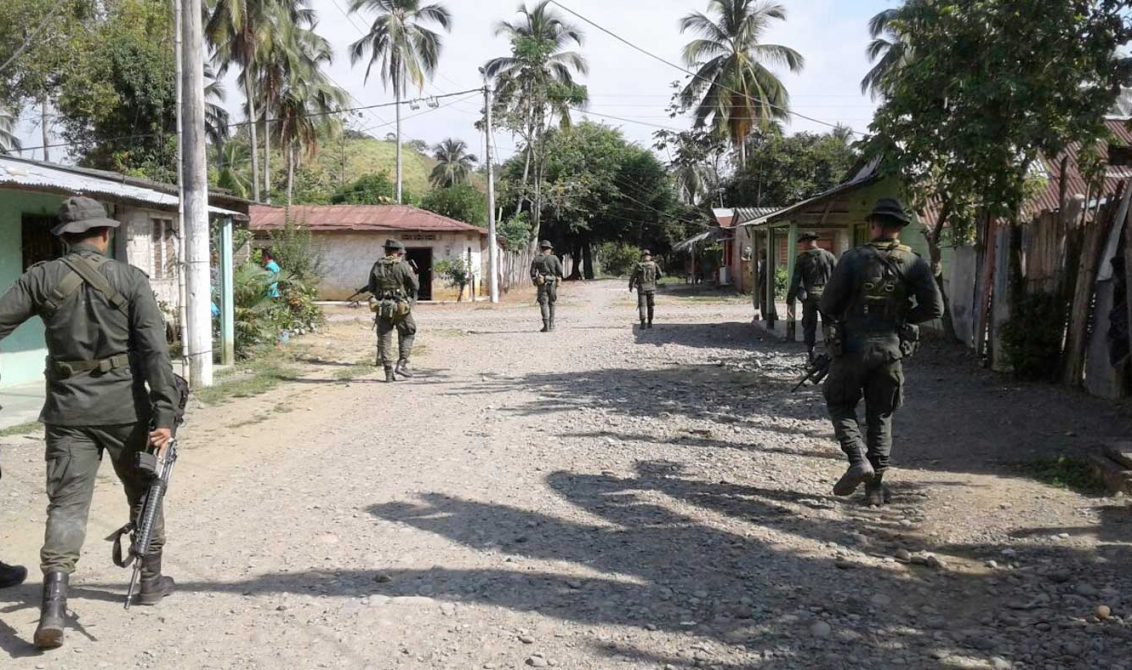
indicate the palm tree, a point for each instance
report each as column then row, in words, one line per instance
column 231, row 157
column 454, row 164
column 9, row 142
column 888, row 51
column 537, row 83
column 216, row 128
column 734, row 89
column 405, row 49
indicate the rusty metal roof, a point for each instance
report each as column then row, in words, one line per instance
column 357, row 219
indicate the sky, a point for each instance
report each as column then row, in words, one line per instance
column 830, row 34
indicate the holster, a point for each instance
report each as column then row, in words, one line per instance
column 835, row 345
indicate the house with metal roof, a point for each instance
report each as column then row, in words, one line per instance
column 350, row 238
column 149, row 238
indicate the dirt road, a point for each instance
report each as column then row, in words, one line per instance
column 598, row 497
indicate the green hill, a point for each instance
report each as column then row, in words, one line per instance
column 343, row 161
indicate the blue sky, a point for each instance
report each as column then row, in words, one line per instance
column 830, row 34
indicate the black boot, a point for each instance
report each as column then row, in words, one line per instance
column 389, row 376
column 876, row 493
column 545, row 326
column 857, row 474
column 403, row 369
column 650, row 317
column 643, row 325
column 550, row 322
column 154, row 585
column 810, row 354
column 49, row 634
column 12, row 575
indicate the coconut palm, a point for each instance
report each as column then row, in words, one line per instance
column 404, row 47
column 231, row 157
column 216, row 128
column 734, row 89
column 454, row 164
column 9, row 142
column 888, row 51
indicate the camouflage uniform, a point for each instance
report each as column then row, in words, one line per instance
column 106, row 343
column 812, row 271
column 394, row 287
column 546, row 272
column 870, row 297
column 645, row 278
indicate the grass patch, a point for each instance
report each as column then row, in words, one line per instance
column 1066, row 472
column 21, row 429
column 255, row 378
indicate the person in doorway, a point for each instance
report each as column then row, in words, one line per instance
column 110, row 390
column 876, row 296
column 393, row 287
column 645, row 279
column 271, row 266
column 546, row 272
column 812, row 271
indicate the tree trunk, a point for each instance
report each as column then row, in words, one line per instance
column 526, row 178
column 397, row 94
column 249, row 94
column 576, row 256
column 45, row 127
column 290, row 174
column 267, row 157
column 936, row 253
column 588, row 258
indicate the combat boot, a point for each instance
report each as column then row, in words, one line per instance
column 650, row 317
column 389, row 376
column 810, row 354
column 49, row 634
column 545, row 326
column 857, row 474
column 154, row 585
column 403, row 369
column 12, row 575
column 643, row 326
column 877, row 493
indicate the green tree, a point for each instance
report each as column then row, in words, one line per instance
column 404, row 47
column 734, row 89
column 782, row 170
column 454, row 164
column 535, row 84
column 9, row 142
column 460, row 202
column 369, row 189
column 887, row 51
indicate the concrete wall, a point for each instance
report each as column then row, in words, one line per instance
column 348, row 257
column 136, row 235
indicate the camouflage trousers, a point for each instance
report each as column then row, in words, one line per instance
column 406, row 329
column 547, row 296
column 810, row 316
column 646, row 301
column 73, row 456
column 881, row 384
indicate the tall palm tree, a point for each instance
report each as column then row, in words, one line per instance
column 9, row 142
column 734, row 89
column 454, row 164
column 888, row 51
column 403, row 46
column 535, row 84
column 216, row 128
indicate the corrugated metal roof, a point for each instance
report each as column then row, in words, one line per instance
column 358, row 218
column 745, row 215
column 31, row 175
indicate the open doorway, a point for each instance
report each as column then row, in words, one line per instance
column 422, row 259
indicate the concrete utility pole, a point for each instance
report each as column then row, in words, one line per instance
column 492, row 246
column 194, row 171
column 182, row 294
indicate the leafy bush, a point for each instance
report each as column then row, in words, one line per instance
column 463, row 203
column 376, row 188
column 515, row 232
column 456, row 274
column 618, row 259
column 781, row 283
column 1033, row 337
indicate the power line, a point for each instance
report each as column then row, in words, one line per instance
column 693, row 74
column 33, row 35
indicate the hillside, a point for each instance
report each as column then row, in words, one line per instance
column 344, row 161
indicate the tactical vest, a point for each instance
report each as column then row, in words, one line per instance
column 814, row 275
column 84, row 270
column 881, row 302
column 386, row 278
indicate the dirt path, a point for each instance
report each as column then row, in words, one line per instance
column 598, row 497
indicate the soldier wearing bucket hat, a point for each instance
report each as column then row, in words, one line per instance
column 546, row 272
column 812, row 271
column 394, row 287
column 106, row 344
column 876, row 296
column 645, row 279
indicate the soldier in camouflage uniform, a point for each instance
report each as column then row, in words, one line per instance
column 546, row 272
column 106, row 343
column 644, row 279
column 812, row 271
column 394, row 287
column 870, row 299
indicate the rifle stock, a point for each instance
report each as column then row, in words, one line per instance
column 815, row 372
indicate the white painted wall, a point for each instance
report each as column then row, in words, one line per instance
column 136, row 234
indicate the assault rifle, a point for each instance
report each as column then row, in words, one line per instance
column 354, row 301
column 816, row 371
column 160, row 472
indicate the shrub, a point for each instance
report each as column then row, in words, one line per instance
column 515, row 232
column 456, row 274
column 1033, row 337
column 463, row 203
column 618, row 259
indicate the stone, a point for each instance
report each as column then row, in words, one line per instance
column 880, row 600
column 526, row 639
column 538, row 662
column 903, row 555
column 821, row 629
column 1103, row 612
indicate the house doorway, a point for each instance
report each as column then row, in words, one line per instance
column 422, row 259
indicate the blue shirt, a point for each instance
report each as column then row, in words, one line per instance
column 274, row 269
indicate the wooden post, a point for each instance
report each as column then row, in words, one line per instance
column 771, row 310
column 227, row 295
column 195, row 171
column 492, row 246
column 1128, row 271
column 791, row 261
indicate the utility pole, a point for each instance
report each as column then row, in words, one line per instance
column 492, row 246
column 182, row 294
column 194, row 172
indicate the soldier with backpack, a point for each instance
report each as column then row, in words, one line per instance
column 393, row 286
column 876, row 296
column 812, row 271
column 645, row 278
column 546, row 272
column 110, row 390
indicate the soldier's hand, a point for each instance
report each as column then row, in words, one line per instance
column 159, row 439
column 790, row 312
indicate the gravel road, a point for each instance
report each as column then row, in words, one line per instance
column 599, row 497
